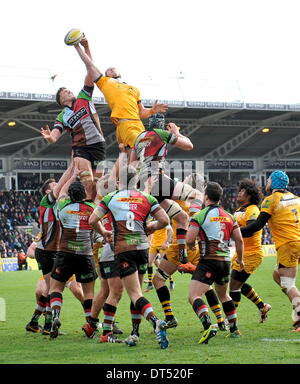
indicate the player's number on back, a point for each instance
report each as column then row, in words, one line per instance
column 130, row 221
column 221, row 245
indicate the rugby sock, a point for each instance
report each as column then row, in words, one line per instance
column 181, row 240
column 230, row 312
column 109, row 318
column 163, row 294
column 136, row 319
column 87, row 307
column 40, row 308
column 56, row 300
column 201, row 310
column 171, row 280
column 48, row 314
column 236, row 297
column 150, row 275
column 214, row 304
column 145, row 308
column 250, row 293
column 93, row 321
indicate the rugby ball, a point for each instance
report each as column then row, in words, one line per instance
column 73, row 37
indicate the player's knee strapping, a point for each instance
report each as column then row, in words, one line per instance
column 287, row 283
column 173, row 210
column 186, row 192
column 162, row 274
column 86, row 176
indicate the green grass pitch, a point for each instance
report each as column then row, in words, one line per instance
column 268, row 343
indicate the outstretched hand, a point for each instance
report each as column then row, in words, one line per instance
column 84, row 42
column 172, row 127
column 46, row 132
column 159, row 107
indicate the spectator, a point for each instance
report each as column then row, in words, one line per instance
column 3, row 252
column 22, row 260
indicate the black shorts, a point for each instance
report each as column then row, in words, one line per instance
column 212, row 271
column 45, row 260
column 162, row 189
column 68, row 264
column 95, row 153
column 132, row 261
column 109, row 269
column 239, row 276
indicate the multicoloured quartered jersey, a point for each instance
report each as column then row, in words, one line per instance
column 151, row 149
column 107, row 253
column 215, row 227
column 284, row 208
column 79, row 120
column 49, row 224
column 243, row 215
column 130, row 209
column 77, row 233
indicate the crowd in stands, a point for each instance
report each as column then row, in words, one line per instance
column 19, row 208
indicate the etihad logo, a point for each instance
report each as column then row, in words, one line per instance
column 130, row 200
column 77, row 116
column 80, row 213
column 220, row 219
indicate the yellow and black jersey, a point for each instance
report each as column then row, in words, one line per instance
column 243, row 215
column 284, row 209
column 121, row 98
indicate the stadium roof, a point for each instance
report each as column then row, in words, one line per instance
column 218, row 130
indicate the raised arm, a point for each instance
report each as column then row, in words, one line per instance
column 89, row 81
column 182, row 142
column 67, row 175
column 92, row 71
column 147, row 112
column 65, row 187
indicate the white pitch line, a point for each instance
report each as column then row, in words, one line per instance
column 282, row 340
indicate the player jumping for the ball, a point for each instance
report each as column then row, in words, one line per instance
column 80, row 119
column 124, row 101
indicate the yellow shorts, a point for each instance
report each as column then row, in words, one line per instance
column 251, row 262
column 172, row 255
column 155, row 249
column 96, row 248
column 288, row 254
column 72, row 278
column 128, row 131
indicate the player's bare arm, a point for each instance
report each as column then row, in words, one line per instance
column 63, row 180
column 161, row 221
column 191, row 237
column 74, row 172
column 239, row 246
column 156, row 108
column 88, row 80
column 182, row 141
column 92, row 70
column 50, row 136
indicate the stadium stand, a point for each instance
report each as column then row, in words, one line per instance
column 227, row 137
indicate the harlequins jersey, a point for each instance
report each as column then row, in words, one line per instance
column 49, row 224
column 79, row 120
column 77, row 233
column 130, row 209
column 215, row 227
column 151, row 149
